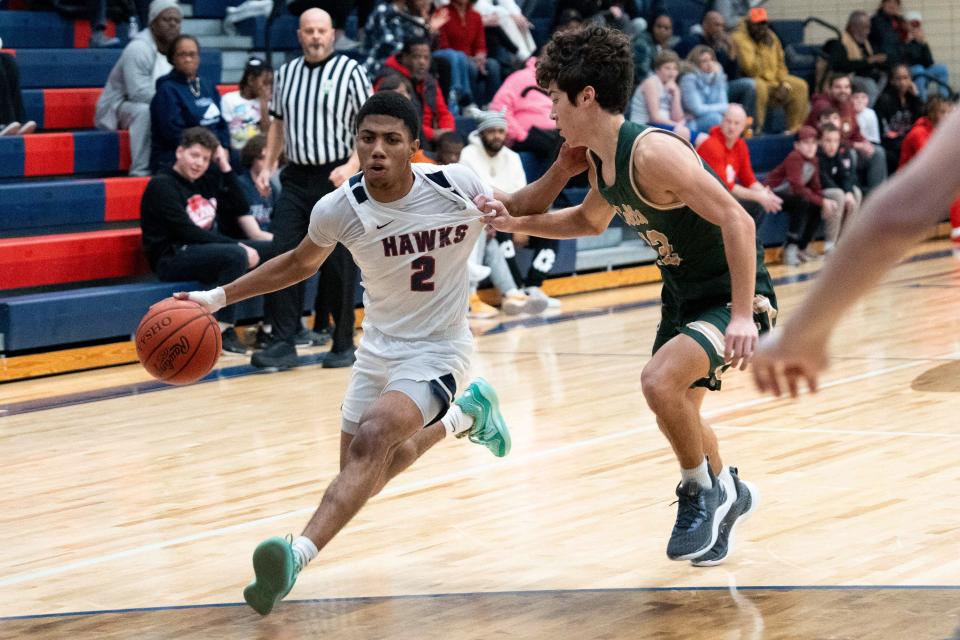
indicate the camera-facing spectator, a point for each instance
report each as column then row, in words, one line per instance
column 853, row 54
column 760, row 56
column 728, row 155
column 866, row 117
column 917, row 54
column 657, row 101
column 898, row 107
column 183, row 100
column 797, row 181
column 252, row 158
column 247, row 110
column 131, row 85
column 182, row 214
column 703, row 89
column 838, row 178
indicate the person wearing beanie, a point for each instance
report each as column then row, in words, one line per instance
column 125, row 101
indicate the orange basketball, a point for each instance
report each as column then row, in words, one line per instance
column 178, row 342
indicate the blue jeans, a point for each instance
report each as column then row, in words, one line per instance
column 485, row 86
column 938, row 71
column 460, row 66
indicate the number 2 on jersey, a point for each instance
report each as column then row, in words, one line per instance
column 423, row 269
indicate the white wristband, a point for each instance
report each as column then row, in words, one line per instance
column 212, row 300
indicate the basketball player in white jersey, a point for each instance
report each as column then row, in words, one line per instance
column 411, row 229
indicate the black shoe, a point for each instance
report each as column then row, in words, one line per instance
column 743, row 507
column 231, row 342
column 338, row 359
column 262, row 340
column 279, row 355
column 699, row 514
column 307, row 338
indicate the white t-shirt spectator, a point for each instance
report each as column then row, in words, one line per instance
column 243, row 117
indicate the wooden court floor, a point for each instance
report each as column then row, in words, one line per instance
column 128, row 511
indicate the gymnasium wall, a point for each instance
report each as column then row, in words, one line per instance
column 941, row 23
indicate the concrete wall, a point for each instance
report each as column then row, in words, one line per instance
column 941, row 22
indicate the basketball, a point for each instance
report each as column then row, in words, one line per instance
column 178, row 342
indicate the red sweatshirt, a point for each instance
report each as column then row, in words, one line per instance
column 463, row 33
column 802, row 175
column 732, row 165
column 916, row 139
column 435, row 115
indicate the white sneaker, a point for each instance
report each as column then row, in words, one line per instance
column 11, row 129
column 518, row 302
column 791, row 255
column 537, row 292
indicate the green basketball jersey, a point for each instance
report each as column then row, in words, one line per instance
column 691, row 257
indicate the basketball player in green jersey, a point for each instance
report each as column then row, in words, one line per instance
column 717, row 295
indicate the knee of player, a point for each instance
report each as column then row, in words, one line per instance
column 373, row 440
column 660, row 389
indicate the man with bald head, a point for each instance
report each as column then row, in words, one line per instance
column 714, row 35
column 727, row 154
column 314, row 107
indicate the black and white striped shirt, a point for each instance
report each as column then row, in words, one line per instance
column 318, row 104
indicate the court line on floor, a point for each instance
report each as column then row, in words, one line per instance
column 518, row 593
column 840, row 432
column 423, row 484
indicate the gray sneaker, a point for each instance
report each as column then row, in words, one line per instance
column 743, row 507
column 699, row 514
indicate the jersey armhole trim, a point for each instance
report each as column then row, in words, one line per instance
column 633, row 183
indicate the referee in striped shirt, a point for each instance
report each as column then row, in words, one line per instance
column 314, row 106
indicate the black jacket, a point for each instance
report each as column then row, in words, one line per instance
column 837, row 172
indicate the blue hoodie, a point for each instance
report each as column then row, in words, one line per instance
column 175, row 108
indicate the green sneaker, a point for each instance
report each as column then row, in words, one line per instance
column 480, row 402
column 276, row 570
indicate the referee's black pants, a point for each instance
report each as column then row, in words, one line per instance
column 303, row 186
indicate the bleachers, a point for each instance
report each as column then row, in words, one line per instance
column 71, row 264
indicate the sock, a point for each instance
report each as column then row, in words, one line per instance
column 513, row 292
column 456, row 421
column 726, row 479
column 224, row 326
column 698, row 474
column 304, row 551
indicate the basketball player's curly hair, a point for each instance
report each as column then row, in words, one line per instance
column 596, row 56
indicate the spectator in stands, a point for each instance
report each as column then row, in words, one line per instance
column 703, row 89
column 389, row 26
column 252, row 159
column 760, row 56
column 657, row 100
column 797, row 181
column 12, row 114
column 917, row 54
column 463, row 31
column 320, row 160
column 935, row 110
column 732, row 11
column 728, row 155
column 183, row 100
column 182, row 213
column 506, row 19
column 131, row 85
column 499, row 167
column 838, row 178
column 527, row 109
column 740, row 90
column 853, row 54
column 661, row 31
column 888, row 31
column 246, row 110
column 898, row 107
column 871, row 158
column 449, row 147
column 866, row 117
column 413, row 63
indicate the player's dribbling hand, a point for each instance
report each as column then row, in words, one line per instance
column 739, row 342
column 780, row 364
column 212, row 300
column 495, row 215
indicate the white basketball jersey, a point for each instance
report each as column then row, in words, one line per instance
column 413, row 252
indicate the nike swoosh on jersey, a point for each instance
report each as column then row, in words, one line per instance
column 381, row 226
